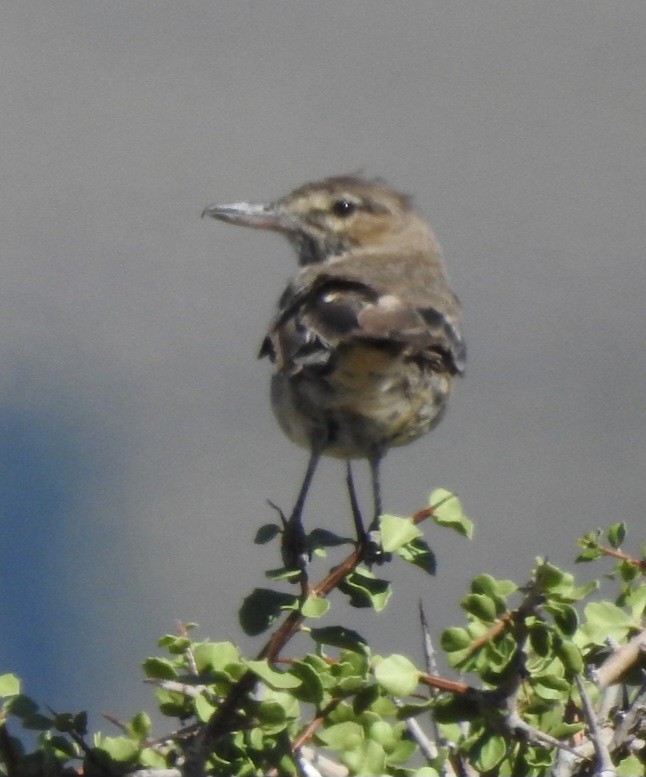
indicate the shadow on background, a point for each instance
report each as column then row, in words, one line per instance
column 59, row 469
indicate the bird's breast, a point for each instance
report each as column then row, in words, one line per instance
column 371, row 398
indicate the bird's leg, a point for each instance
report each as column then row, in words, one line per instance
column 375, row 462
column 295, row 550
column 354, row 505
column 374, row 552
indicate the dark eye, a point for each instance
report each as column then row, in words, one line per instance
column 343, row 208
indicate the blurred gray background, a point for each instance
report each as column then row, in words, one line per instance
column 137, row 446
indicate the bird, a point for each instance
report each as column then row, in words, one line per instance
column 366, row 338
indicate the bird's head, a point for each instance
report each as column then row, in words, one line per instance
column 327, row 218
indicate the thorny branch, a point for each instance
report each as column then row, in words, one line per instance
column 638, row 563
column 604, row 766
column 621, row 660
column 599, row 743
column 223, row 720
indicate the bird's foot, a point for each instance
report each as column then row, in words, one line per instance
column 295, row 549
column 373, row 552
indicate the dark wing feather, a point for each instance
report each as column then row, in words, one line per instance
column 446, row 329
column 330, row 311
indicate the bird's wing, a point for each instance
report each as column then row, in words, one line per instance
column 330, row 311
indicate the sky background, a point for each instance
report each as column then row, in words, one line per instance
column 137, row 445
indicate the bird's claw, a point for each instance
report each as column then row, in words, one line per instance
column 295, row 548
column 373, row 552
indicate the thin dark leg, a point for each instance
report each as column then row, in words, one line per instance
column 354, row 505
column 373, row 552
column 297, row 512
column 375, row 461
column 294, row 546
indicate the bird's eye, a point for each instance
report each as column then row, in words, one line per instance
column 343, row 208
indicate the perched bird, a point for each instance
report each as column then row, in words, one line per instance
column 366, row 339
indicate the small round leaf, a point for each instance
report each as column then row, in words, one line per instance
column 397, row 675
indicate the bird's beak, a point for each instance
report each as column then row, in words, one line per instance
column 249, row 214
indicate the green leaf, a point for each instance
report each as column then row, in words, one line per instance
column 418, row 553
column 455, row 638
column 627, row 571
column 636, row 600
column 487, row 752
column 177, row 645
column 215, row 656
column 140, row 725
column 400, row 751
column 605, row 619
column 9, row 685
column 22, row 707
column 151, row 759
column 488, row 585
column 457, row 642
column 447, row 511
column 262, row 607
column 314, row 607
column 629, row 767
column 370, row 698
column 283, row 573
column 349, row 679
column 570, row 656
column 272, row 716
column 617, row 534
column 412, row 708
column 589, row 554
column 590, row 540
column 578, row 592
column 284, row 766
column 311, row 688
column 64, row 747
column 537, row 760
column 64, row 722
column 397, row 675
column 540, row 638
column 365, row 590
column 204, row 708
column 551, row 687
column 563, row 730
column 159, row 669
column 285, row 699
column 173, row 704
column 547, row 575
column 565, row 617
column 342, row 736
column 37, row 722
column 396, row 532
column 339, row 636
column 273, row 678
column 480, row 606
column 256, row 738
column 266, row 533
column 368, row 758
column 119, row 748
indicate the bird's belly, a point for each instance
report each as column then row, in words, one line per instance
column 371, row 400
